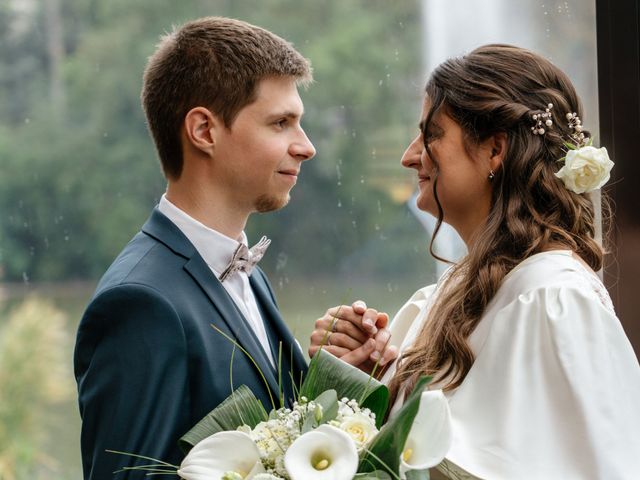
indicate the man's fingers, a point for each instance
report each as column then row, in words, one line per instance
column 348, row 341
column 359, row 355
column 339, row 352
column 359, row 307
column 341, row 326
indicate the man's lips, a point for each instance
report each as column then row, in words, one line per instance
column 423, row 178
column 292, row 172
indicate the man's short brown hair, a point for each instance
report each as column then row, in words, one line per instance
column 213, row 62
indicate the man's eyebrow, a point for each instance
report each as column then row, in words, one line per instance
column 288, row 114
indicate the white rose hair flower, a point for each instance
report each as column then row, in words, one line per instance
column 585, row 169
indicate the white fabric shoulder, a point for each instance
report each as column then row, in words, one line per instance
column 408, row 313
column 555, row 387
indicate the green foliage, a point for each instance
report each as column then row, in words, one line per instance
column 79, row 177
column 34, row 377
column 388, row 445
column 239, row 408
column 328, row 372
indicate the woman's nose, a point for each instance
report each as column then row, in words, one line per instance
column 412, row 155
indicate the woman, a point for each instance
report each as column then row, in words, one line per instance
column 521, row 334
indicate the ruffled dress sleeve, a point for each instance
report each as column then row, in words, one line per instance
column 554, row 392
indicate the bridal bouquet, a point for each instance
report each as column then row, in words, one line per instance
column 334, row 431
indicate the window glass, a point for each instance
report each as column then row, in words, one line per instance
column 79, row 176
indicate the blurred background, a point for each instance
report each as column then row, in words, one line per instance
column 79, row 176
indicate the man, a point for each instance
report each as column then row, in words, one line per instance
column 222, row 105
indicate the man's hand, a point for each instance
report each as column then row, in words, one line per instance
column 355, row 334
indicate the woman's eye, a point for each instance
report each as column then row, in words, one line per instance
column 429, row 137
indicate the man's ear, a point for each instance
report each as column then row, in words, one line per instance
column 497, row 145
column 200, row 128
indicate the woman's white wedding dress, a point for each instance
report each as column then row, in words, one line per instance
column 554, row 392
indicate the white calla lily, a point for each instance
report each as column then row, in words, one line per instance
column 223, row 453
column 431, row 434
column 325, row 453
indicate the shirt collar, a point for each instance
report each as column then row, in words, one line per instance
column 215, row 248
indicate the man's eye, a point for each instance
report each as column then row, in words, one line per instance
column 281, row 123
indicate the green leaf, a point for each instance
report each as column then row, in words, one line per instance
column 239, row 408
column 377, row 475
column 328, row 372
column 328, row 402
column 570, row 146
column 417, row 474
column 454, row 472
column 384, row 452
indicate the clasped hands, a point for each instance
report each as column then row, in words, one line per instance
column 355, row 334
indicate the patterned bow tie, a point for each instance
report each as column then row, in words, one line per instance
column 245, row 258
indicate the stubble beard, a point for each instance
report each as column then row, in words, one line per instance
column 269, row 203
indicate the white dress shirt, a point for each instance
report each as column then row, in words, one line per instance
column 217, row 249
column 555, row 386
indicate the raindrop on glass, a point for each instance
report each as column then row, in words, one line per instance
column 281, row 261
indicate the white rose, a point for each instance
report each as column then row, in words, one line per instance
column 585, row 169
column 361, row 428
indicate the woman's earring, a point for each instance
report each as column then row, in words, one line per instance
column 491, row 175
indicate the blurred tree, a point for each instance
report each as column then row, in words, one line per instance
column 78, row 175
column 34, row 375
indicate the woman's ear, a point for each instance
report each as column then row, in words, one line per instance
column 200, row 128
column 497, row 145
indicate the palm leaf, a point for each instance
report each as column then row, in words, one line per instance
column 377, row 475
column 239, row 408
column 454, row 472
column 417, row 474
column 389, row 443
column 327, row 372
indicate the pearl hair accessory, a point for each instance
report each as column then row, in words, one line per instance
column 541, row 118
column 575, row 124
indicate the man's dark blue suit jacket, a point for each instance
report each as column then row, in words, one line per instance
column 147, row 361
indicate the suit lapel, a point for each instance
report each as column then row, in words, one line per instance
column 293, row 362
column 163, row 230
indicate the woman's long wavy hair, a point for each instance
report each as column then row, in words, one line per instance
column 497, row 89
